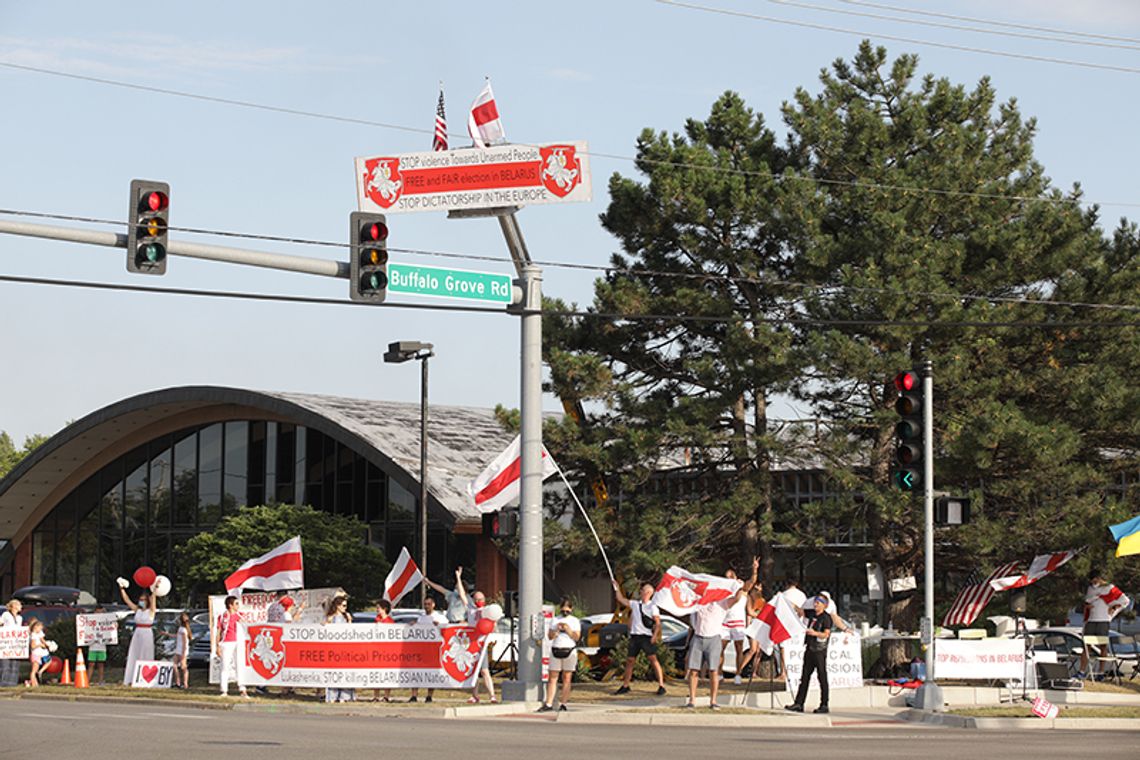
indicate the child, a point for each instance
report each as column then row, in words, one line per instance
column 182, row 652
column 97, row 656
column 40, row 656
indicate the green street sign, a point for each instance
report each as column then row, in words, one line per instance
column 449, row 283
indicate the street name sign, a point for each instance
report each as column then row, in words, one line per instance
column 474, row 178
column 450, row 283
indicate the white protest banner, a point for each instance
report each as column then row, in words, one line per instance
column 14, row 642
column 153, row 674
column 346, row 655
column 102, row 628
column 844, row 662
column 473, row 178
column 254, row 609
column 980, row 659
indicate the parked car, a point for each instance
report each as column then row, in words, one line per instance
column 600, row 635
column 48, row 604
column 1068, row 643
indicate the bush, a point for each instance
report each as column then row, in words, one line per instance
column 642, row 670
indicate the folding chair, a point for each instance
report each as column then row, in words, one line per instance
column 1064, row 655
column 1054, row 675
column 1099, row 649
column 1128, row 653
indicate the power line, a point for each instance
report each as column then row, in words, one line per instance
column 571, row 313
column 1007, row 24
column 958, row 27
column 779, row 178
column 624, row 271
column 896, row 38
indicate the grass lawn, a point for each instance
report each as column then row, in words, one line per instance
column 1024, row 711
column 1128, row 687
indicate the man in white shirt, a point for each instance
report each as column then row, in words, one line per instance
column 430, row 616
column 644, row 635
column 1103, row 602
column 564, row 633
column 707, row 622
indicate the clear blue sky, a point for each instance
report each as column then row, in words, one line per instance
column 599, row 71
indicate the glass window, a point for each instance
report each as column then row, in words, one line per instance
column 299, row 466
column 160, row 475
column 135, row 506
column 209, row 476
column 186, row 480
column 43, row 553
column 314, row 469
column 270, row 460
column 286, row 463
column 88, row 558
column 65, row 533
column 401, row 503
column 237, row 466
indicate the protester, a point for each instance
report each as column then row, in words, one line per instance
column 705, row 645
column 337, row 612
column 1103, row 601
column 11, row 618
column 97, row 658
column 383, row 617
column 837, row 623
column 142, row 640
column 474, row 614
column 181, row 652
column 282, row 609
column 39, row 654
column 644, row 634
column 752, row 609
column 456, row 598
column 227, row 646
column 564, row 633
column 815, row 656
column 430, row 616
column 733, row 631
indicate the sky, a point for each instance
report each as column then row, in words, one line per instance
column 593, row 71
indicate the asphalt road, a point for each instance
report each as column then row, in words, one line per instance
column 96, row 730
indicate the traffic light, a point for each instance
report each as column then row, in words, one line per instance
column 147, row 224
column 369, row 257
column 501, row 524
column 907, row 474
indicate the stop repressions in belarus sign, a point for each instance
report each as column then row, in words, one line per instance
column 471, row 178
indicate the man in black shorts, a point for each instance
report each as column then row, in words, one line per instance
column 644, row 633
column 815, row 656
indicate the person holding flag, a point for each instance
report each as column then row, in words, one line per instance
column 644, row 635
column 705, row 646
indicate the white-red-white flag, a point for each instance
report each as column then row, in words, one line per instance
column 404, row 577
column 276, row 570
column 1042, row 565
column 499, row 484
column 776, row 623
column 483, row 122
column 680, row 592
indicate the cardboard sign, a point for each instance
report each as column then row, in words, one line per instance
column 96, row 629
column 844, row 662
column 474, row 178
column 153, row 674
column 1043, row 708
column 347, row 655
column 14, row 642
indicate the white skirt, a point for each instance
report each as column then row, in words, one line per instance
column 142, row 648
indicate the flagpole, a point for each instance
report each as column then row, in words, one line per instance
column 590, row 523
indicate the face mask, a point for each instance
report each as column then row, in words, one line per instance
column 567, row 613
column 480, row 602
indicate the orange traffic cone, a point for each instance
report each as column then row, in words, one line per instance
column 81, row 681
column 66, row 679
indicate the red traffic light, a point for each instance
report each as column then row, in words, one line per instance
column 905, row 381
column 154, row 201
column 374, row 232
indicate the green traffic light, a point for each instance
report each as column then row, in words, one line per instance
column 150, row 253
column 373, row 282
column 907, row 480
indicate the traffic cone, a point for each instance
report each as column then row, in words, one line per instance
column 81, row 681
column 65, row 680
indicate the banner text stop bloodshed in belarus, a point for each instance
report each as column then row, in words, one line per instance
column 471, row 178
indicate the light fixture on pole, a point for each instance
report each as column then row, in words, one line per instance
column 398, row 353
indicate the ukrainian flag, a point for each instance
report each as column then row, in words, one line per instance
column 1127, row 535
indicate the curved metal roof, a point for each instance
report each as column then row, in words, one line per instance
column 461, row 441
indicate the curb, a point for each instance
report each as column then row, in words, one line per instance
column 1026, row 724
column 149, row 702
column 713, row 719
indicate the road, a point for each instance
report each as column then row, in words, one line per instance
column 97, row 730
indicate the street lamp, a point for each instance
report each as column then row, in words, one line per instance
column 398, row 353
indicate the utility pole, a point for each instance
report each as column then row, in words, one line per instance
column 929, row 695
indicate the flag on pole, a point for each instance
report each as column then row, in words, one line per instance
column 1127, row 535
column 404, row 577
column 276, row 570
column 439, row 141
column 483, row 123
column 1042, row 565
column 499, row 484
column 974, row 596
column 680, row 592
column 776, row 623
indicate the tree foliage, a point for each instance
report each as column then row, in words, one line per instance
column 10, row 456
column 334, row 551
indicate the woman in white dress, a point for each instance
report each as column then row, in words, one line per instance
column 142, row 640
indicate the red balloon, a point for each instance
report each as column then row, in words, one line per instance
column 484, row 626
column 55, row 665
column 145, row 576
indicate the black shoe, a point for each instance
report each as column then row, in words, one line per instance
column 414, row 699
column 545, row 708
column 562, row 708
column 427, row 699
column 661, row 691
column 821, row 709
column 794, row 708
column 688, row 705
column 622, row 690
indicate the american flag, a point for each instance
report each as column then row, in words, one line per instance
column 439, row 141
column 974, row 596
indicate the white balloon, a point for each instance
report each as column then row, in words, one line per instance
column 493, row 612
column 161, row 586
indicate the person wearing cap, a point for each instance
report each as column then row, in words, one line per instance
column 818, row 631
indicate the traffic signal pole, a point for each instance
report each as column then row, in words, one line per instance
column 929, row 696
